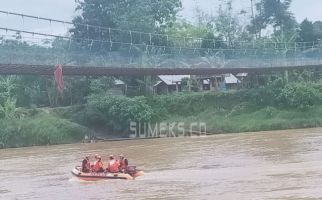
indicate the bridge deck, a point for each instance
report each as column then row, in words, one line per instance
column 15, row 69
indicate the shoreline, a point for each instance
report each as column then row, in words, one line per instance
column 213, row 134
column 282, row 131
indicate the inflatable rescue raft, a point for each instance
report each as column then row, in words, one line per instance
column 93, row 176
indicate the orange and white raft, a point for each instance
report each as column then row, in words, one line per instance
column 93, row 176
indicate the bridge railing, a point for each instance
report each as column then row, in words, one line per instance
column 67, row 52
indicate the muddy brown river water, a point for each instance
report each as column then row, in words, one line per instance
column 267, row 165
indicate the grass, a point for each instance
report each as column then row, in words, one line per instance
column 260, row 119
column 40, row 129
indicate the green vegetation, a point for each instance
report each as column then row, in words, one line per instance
column 275, row 106
column 278, row 105
column 39, row 129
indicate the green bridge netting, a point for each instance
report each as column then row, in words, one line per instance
column 20, row 44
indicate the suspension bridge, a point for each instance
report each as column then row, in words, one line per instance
column 14, row 69
column 24, row 51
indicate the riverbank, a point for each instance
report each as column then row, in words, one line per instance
column 52, row 129
column 261, row 119
column 275, row 107
column 36, row 128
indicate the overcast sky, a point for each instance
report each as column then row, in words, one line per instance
column 64, row 10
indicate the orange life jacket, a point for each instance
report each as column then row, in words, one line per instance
column 114, row 166
column 98, row 166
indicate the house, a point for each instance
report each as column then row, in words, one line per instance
column 206, row 84
column 169, row 83
column 221, row 82
column 231, row 82
column 173, row 83
column 119, row 88
column 244, row 79
column 241, row 76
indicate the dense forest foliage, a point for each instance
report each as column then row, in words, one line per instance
column 32, row 112
column 162, row 17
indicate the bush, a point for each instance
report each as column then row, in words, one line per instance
column 291, row 95
column 42, row 129
column 266, row 95
column 120, row 110
column 298, row 95
column 270, row 111
column 182, row 104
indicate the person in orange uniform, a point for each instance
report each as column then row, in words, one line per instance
column 124, row 163
column 96, row 159
column 98, row 167
column 86, row 165
column 113, row 165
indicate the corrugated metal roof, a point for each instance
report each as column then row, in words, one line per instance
column 157, row 83
column 173, row 79
column 231, row 79
column 119, row 82
column 206, row 82
column 242, row 74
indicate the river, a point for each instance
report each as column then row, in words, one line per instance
column 266, row 165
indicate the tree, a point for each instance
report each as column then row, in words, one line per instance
column 318, row 29
column 226, row 24
column 7, row 88
column 306, row 33
column 223, row 29
column 7, row 109
column 275, row 13
column 212, row 42
column 182, row 29
column 139, row 15
column 202, row 18
column 101, row 85
column 258, row 23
